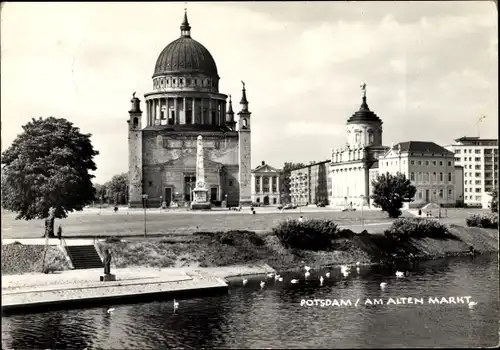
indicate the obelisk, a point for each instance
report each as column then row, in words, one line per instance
column 200, row 192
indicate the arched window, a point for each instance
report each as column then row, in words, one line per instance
column 358, row 137
column 135, row 122
column 370, row 137
column 244, row 122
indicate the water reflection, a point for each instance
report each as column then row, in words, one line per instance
column 251, row 317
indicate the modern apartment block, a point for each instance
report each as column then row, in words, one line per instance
column 479, row 158
column 311, row 184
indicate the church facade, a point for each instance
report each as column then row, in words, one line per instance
column 184, row 103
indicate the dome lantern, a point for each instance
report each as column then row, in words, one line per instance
column 185, row 27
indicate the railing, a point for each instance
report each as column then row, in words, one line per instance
column 67, row 254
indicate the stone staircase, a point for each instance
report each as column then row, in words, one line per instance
column 84, row 257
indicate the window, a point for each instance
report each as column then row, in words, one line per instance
column 358, row 137
column 419, row 178
column 168, row 81
column 440, row 193
column 450, row 192
column 181, row 81
column 478, row 151
column 196, row 82
column 441, row 177
column 150, row 183
column 478, row 174
column 449, row 163
column 477, row 159
column 412, row 176
column 230, row 182
column 434, row 177
column 412, row 162
column 470, row 159
column 465, row 190
column 478, row 167
column 478, row 190
column 478, row 198
column 434, row 162
column 426, row 163
column 457, row 151
column 370, row 138
column 174, row 81
column 419, row 162
column 419, row 195
column 449, row 177
column 457, row 159
column 440, row 163
column 426, row 177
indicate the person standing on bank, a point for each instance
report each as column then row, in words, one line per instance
column 107, row 262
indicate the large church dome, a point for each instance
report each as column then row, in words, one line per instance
column 185, row 55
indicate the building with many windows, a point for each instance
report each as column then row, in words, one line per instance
column 350, row 165
column 266, row 185
column 479, row 159
column 430, row 168
column 311, row 184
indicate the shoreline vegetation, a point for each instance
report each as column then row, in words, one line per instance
column 318, row 243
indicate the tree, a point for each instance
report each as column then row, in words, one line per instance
column 285, row 180
column 118, row 188
column 100, row 192
column 391, row 191
column 494, row 201
column 46, row 171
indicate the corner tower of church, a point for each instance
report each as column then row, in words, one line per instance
column 183, row 104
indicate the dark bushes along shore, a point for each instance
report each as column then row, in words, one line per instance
column 483, row 220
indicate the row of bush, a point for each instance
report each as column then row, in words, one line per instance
column 483, row 220
column 405, row 228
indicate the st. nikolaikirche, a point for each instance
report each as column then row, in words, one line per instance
column 185, row 102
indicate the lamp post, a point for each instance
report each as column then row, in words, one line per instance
column 161, row 203
column 102, row 200
column 144, row 204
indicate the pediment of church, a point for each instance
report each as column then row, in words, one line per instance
column 189, row 161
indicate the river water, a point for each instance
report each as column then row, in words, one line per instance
column 272, row 317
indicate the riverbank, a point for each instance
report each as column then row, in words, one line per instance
column 82, row 288
column 205, row 259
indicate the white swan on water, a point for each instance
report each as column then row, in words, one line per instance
column 307, row 268
column 280, row 279
column 270, row 275
column 110, row 310
column 344, row 268
column 245, row 281
column 327, row 275
column 176, row 304
column 307, row 274
column 294, row 281
column 383, row 285
column 399, row 274
column 276, row 277
column 262, row 284
column 358, row 263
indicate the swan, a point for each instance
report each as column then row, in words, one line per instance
column 472, row 304
column 276, row 277
column 262, row 284
column 358, row 263
column 357, row 269
column 176, row 304
column 245, row 281
column 327, row 275
column 307, row 274
column 307, row 268
column 399, row 274
column 344, row 268
column 280, row 279
column 294, row 281
column 321, row 279
column 111, row 310
column 383, row 285
column 270, row 275
column 345, row 273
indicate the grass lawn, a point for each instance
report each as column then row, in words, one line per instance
column 121, row 224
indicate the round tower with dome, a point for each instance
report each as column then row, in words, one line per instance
column 184, row 103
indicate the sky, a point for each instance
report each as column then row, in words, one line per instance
column 431, row 69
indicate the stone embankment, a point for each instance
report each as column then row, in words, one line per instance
column 42, row 292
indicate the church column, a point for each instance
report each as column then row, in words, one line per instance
column 185, row 111
column 193, row 119
column 203, row 121
column 175, row 109
column 261, row 183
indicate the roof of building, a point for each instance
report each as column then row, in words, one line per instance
column 313, row 164
column 364, row 114
column 472, row 138
column 374, row 165
column 266, row 168
column 421, row 147
column 185, row 55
